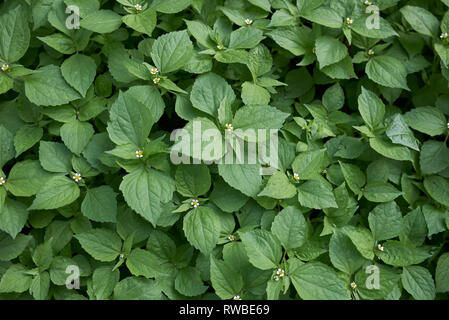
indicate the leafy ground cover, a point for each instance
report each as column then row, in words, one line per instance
column 94, row 204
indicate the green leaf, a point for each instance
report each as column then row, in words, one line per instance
column 245, row 38
column 310, row 163
column 56, row 192
column 343, row 253
column 130, row 121
column 79, row 71
column 100, row 204
column 317, row 281
column 133, row 288
column 384, row 31
column 263, row 249
column 371, row 108
column 400, row 254
column 324, row 16
column 192, row 180
column 15, row 279
column 434, row 157
column 144, row 22
column 14, row 34
column 202, row 229
column 140, row 263
column 172, row 51
column 226, row 280
column 355, row 178
column 104, row 281
column 387, row 71
column 428, row 120
column 316, row 194
column 26, row 137
column 43, row 255
column 208, row 91
column 381, row 192
column 101, row 244
column 253, row 94
column 7, row 151
column 25, row 178
column 293, row 39
column 438, row 189
column 243, row 177
column 13, row 216
column 329, row 51
column 188, row 282
column 385, row 221
column 390, row 150
column 47, row 87
column 442, row 273
column 421, row 20
column 418, row 282
column 40, row 286
column 227, row 198
column 399, row 133
column 60, row 42
column 290, row 227
column 76, row 135
column 145, row 190
column 278, row 187
column 55, row 157
column 170, row 6
column 259, row 117
column 101, row 21
column 11, row 248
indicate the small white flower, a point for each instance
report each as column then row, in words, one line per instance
column 353, row 285
column 5, row 67
column 220, row 47
column 296, row 176
column 276, row 278
column 380, row 247
column 236, row 298
column 248, row 21
column 280, row 272
column 138, row 7
column 77, row 177
column 368, row 3
column 195, row 203
column 231, row 237
column 444, row 35
column 229, row 127
column 370, row 52
column 122, row 255
column 156, row 80
column 139, row 154
column 2, row 181
column 349, row 21
column 448, row 125
column 154, row 71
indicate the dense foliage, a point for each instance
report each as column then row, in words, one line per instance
column 357, row 208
